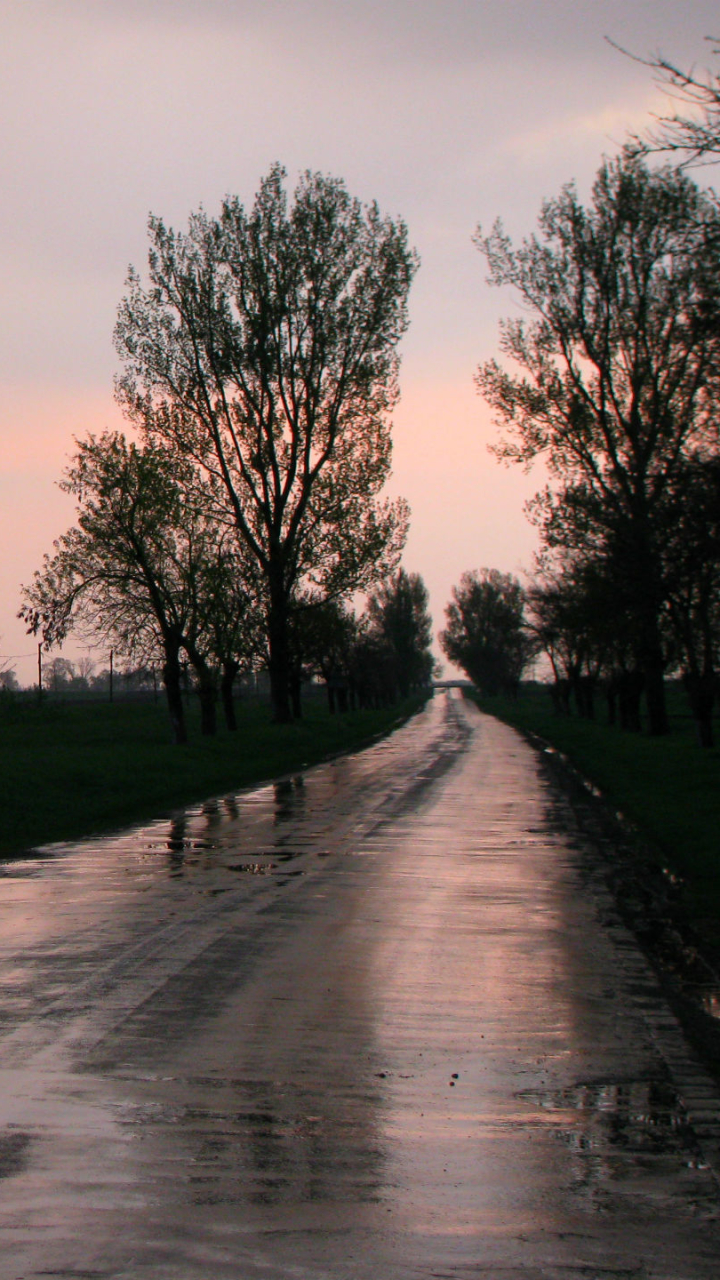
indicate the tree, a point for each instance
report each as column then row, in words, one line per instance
column 264, row 348
column 565, row 622
column 619, row 369
column 486, row 633
column 692, row 134
column 229, row 618
column 323, row 640
column 579, row 614
column 691, row 561
column 59, row 674
column 86, row 670
column 139, row 568
column 399, row 618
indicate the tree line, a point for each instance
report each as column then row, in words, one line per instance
column 148, row 570
column 611, row 379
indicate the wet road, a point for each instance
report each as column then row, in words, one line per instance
column 377, row 1021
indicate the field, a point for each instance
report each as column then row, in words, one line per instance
column 71, row 769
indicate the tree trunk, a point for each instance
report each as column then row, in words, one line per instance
column 230, row 670
column 701, row 696
column 586, row 692
column 630, row 687
column 295, row 692
column 560, row 694
column 279, row 645
column 173, row 690
column 610, row 697
column 207, row 694
column 654, row 668
column 650, row 659
column 207, row 690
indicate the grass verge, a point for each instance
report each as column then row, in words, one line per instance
column 664, row 868
column 69, row 770
column 667, row 788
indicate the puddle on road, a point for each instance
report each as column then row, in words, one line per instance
column 636, row 1121
column 14, row 1144
column 629, row 1142
column 271, row 1144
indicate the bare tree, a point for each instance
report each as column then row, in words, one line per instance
column 692, row 133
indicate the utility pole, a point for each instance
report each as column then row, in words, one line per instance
column 111, row 675
column 40, row 688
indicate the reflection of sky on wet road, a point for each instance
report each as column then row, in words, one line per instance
column 363, row 1022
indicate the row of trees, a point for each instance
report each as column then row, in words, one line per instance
column 613, row 382
column 148, row 570
column 618, row 395
column 243, row 509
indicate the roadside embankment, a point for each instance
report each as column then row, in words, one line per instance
column 73, row 769
column 653, row 806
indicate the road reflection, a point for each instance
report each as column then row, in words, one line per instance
column 363, row 1022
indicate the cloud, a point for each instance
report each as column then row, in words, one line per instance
column 607, row 127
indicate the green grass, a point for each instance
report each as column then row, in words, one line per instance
column 668, row 788
column 69, row 770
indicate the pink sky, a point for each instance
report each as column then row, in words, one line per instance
column 448, row 112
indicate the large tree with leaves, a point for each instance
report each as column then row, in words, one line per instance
column 486, row 633
column 618, row 368
column 399, row 618
column 691, row 563
column 264, row 347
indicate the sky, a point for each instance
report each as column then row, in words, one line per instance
column 449, row 113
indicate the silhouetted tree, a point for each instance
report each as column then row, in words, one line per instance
column 323, row 634
column 691, row 562
column 580, row 616
column 264, row 348
column 372, row 668
column 139, row 568
column 399, row 618
column 619, row 370
column 486, row 632
column 691, row 134
column 231, row 618
column 59, row 674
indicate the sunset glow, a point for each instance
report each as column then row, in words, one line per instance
column 448, row 115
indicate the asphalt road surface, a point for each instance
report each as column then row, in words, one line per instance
column 376, row 1021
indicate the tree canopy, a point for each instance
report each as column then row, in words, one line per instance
column 399, row 619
